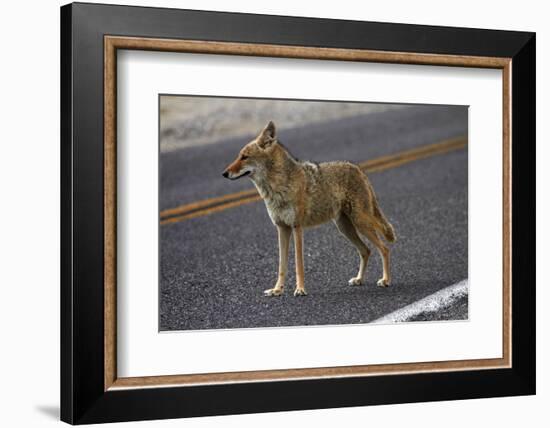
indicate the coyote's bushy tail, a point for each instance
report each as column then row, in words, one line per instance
column 385, row 226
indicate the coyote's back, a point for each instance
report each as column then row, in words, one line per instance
column 341, row 188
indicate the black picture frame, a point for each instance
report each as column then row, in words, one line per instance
column 83, row 398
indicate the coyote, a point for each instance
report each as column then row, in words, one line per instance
column 301, row 194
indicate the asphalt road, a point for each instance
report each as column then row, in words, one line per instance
column 214, row 268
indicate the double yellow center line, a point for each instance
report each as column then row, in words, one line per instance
column 222, row 203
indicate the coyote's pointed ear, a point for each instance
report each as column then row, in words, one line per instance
column 267, row 136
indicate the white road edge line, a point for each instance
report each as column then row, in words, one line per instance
column 432, row 303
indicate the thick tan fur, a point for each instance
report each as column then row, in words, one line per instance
column 301, row 194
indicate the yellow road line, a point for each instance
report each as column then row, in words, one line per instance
column 206, row 202
column 410, row 155
column 397, row 159
column 221, row 203
column 211, row 210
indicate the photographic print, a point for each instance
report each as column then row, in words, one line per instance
column 279, row 213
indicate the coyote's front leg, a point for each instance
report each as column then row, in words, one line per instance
column 284, row 240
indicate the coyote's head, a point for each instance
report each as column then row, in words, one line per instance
column 256, row 156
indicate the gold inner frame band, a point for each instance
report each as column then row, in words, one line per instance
column 113, row 43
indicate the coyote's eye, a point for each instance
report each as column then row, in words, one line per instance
column 244, row 157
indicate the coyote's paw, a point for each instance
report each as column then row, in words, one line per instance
column 383, row 282
column 355, row 281
column 300, row 292
column 273, row 292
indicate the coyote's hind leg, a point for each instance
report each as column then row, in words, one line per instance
column 365, row 227
column 299, row 254
column 346, row 228
column 384, row 254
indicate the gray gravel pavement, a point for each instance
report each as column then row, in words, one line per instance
column 215, row 268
